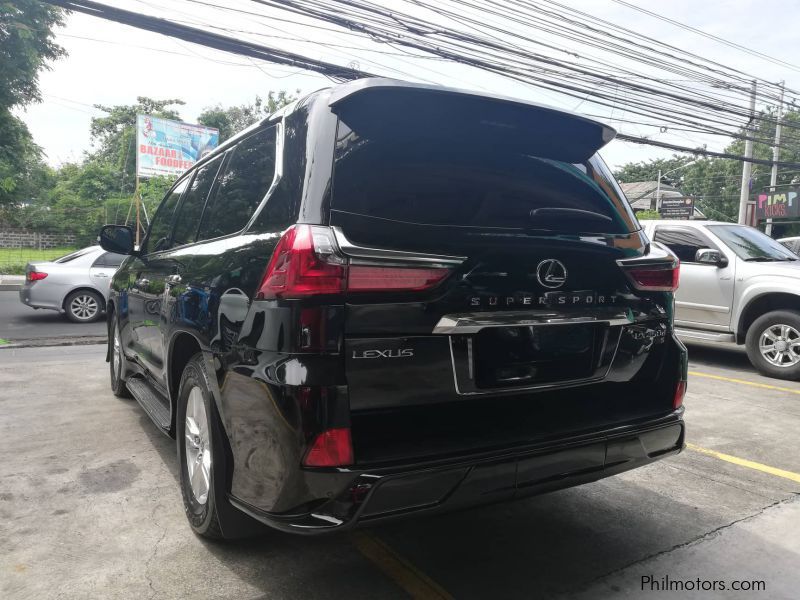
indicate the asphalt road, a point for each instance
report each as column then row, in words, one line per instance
column 20, row 322
column 90, row 508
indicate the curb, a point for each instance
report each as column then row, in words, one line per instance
column 49, row 342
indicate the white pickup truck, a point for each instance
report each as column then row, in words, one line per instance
column 737, row 286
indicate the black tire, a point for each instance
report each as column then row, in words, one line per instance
column 84, row 306
column 203, row 515
column 116, row 361
column 765, row 323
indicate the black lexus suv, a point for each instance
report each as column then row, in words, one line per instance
column 391, row 299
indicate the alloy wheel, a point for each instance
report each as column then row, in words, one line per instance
column 198, row 446
column 84, row 307
column 780, row 345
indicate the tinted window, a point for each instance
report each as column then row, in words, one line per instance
column 793, row 245
column 194, row 200
column 477, row 184
column 158, row 236
column 683, row 242
column 241, row 186
column 750, row 244
column 109, row 259
column 74, row 255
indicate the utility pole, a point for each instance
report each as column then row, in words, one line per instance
column 747, row 166
column 658, row 191
column 773, row 179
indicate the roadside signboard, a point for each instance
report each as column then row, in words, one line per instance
column 165, row 147
column 676, row 208
column 778, row 204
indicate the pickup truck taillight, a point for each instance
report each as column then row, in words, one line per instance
column 306, row 262
column 35, row 276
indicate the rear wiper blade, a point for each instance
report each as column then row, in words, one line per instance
column 575, row 214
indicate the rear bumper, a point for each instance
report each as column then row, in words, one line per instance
column 30, row 296
column 376, row 495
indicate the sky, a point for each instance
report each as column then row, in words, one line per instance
column 109, row 64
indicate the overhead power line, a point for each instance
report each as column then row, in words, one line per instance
column 711, row 36
column 209, row 39
column 475, row 44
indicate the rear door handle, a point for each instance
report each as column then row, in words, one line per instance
column 100, row 275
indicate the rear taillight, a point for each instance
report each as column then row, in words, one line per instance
column 331, row 448
column 35, row 276
column 300, row 266
column 306, row 263
column 654, row 278
column 680, row 392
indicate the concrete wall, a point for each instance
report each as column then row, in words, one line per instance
column 23, row 238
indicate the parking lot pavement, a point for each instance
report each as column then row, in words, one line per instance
column 20, row 322
column 89, row 507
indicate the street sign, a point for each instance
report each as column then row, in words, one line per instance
column 676, row 208
column 779, row 204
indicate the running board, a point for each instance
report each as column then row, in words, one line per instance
column 693, row 335
column 153, row 403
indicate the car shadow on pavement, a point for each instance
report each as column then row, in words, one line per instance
column 280, row 564
column 719, row 357
column 562, row 543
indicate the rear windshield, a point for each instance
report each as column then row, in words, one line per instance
column 477, row 186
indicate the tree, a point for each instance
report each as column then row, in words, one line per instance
column 648, row 171
column 716, row 182
column 232, row 120
column 26, row 46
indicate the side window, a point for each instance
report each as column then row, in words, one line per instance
column 158, row 234
column 109, row 259
column 241, row 185
column 683, row 242
column 193, row 202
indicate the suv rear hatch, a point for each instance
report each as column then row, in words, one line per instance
column 485, row 240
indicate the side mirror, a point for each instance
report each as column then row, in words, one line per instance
column 117, row 239
column 707, row 256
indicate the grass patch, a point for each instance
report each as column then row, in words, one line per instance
column 13, row 260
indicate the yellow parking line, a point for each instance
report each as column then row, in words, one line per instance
column 742, row 462
column 745, row 382
column 403, row 573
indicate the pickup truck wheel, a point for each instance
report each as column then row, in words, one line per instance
column 773, row 344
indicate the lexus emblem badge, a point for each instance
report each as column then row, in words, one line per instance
column 551, row 273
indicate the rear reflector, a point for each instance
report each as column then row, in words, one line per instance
column 36, row 275
column 306, row 262
column 680, row 392
column 331, row 448
column 655, row 279
column 412, row 279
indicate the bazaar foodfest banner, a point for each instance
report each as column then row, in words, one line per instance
column 165, row 147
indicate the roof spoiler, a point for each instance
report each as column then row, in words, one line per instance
column 427, row 113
